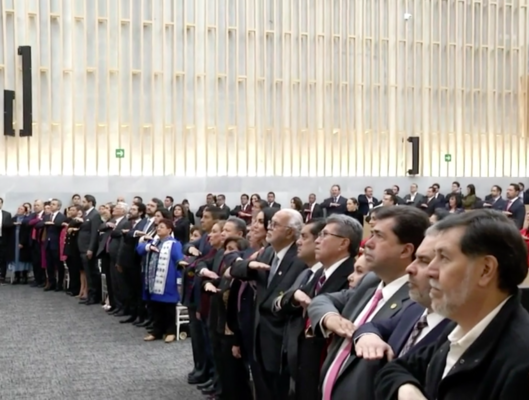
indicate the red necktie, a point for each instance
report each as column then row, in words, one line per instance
column 336, row 366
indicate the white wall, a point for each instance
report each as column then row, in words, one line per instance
column 268, row 88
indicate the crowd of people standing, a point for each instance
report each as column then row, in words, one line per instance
column 294, row 303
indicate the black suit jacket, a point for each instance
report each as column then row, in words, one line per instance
column 225, row 212
column 7, row 223
column 432, row 205
column 495, row 366
column 517, row 210
column 395, row 331
column 274, row 205
column 499, row 204
column 127, row 255
column 181, row 230
column 269, row 327
column 200, row 210
column 53, row 232
column 317, row 212
column 88, row 238
column 116, row 236
column 363, row 204
column 104, row 237
column 295, row 338
column 341, row 209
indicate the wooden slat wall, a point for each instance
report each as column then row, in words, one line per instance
column 269, row 87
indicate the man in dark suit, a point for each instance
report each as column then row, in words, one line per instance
column 437, row 194
column 271, row 200
column 274, row 272
column 396, row 234
column 334, row 243
column 395, row 189
column 494, row 200
column 366, row 201
column 88, row 240
column 210, row 201
column 414, row 198
column 32, row 220
column 416, row 326
column 129, row 262
column 243, row 210
column 514, row 207
column 431, row 203
column 115, row 227
column 169, row 204
column 312, row 210
column 224, row 209
column 480, row 261
column 336, row 204
column 52, row 225
column 6, row 223
column 200, row 248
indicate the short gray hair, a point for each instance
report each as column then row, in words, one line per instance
column 350, row 229
column 59, row 203
column 123, row 205
column 239, row 223
column 295, row 221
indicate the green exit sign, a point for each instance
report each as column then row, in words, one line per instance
column 120, row 153
column 448, row 157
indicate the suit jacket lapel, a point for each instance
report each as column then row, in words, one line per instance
column 394, row 304
column 338, row 276
column 281, row 269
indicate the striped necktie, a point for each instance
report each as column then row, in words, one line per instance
column 415, row 333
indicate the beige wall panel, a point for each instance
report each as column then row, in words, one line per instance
column 268, row 87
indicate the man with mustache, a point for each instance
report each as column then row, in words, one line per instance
column 413, row 328
column 480, row 259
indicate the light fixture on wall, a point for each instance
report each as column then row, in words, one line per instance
column 414, row 140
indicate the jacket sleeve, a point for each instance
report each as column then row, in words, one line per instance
column 382, row 328
column 410, row 369
column 94, row 233
column 241, row 270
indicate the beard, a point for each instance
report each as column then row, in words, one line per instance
column 452, row 298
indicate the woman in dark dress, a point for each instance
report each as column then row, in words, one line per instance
column 78, row 286
column 181, row 224
column 353, row 211
column 190, row 215
column 18, row 255
column 297, row 204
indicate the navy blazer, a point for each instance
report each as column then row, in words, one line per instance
column 201, row 244
column 517, row 211
column 396, row 330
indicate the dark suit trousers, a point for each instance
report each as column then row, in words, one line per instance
column 105, row 268
column 117, row 284
column 54, row 263
column 232, row 372
column 36, row 260
column 132, row 296
column 198, row 342
column 164, row 318
column 93, row 276
column 308, row 372
column 74, row 271
column 278, row 383
column 3, row 261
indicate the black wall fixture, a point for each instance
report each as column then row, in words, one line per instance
column 27, row 92
column 415, row 155
column 9, row 98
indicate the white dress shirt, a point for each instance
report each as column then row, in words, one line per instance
column 433, row 319
column 1, row 221
column 460, row 342
column 88, row 211
column 387, row 292
column 327, row 272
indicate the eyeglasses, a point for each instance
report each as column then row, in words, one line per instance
column 324, row 234
column 274, row 224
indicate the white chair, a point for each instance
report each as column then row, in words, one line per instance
column 182, row 318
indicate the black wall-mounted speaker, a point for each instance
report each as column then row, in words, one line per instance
column 27, row 92
column 9, row 98
column 415, row 155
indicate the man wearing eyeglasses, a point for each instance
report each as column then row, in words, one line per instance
column 274, row 272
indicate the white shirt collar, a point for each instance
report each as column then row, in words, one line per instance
column 315, row 268
column 391, row 288
column 118, row 220
column 89, row 210
column 281, row 253
column 458, row 338
column 328, row 272
column 433, row 319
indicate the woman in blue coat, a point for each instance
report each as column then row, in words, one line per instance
column 162, row 255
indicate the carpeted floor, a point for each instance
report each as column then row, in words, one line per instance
column 53, row 348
